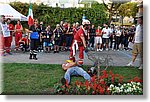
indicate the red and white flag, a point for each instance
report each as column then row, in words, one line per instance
column 30, row 16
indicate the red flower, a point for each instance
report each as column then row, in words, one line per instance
column 94, row 86
column 87, row 84
column 104, row 72
column 93, row 78
column 116, row 75
column 112, row 79
column 102, row 82
column 101, row 90
column 120, row 79
column 110, row 72
column 107, row 91
column 77, row 83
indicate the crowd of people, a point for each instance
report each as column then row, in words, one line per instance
column 61, row 38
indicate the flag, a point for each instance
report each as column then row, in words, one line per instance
column 30, row 16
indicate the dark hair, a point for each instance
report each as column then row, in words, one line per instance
column 141, row 17
column 2, row 16
column 8, row 19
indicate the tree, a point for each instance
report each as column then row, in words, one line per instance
column 112, row 6
column 128, row 9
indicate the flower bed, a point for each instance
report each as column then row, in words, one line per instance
column 106, row 84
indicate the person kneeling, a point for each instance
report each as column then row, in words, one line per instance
column 72, row 69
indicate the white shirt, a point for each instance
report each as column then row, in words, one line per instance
column 111, row 30
column 107, row 33
column 138, row 34
column 5, row 30
column 118, row 33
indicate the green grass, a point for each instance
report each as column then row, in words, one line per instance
column 40, row 78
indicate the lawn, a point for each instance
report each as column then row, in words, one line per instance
column 41, row 78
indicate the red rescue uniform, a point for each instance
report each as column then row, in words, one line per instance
column 11, row 27
column 18, row 35
column 77, row 37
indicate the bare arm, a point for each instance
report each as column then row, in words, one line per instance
column 68, row 65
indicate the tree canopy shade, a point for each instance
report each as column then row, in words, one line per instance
column 97, row 14
column 113, row 6
column 128, row 9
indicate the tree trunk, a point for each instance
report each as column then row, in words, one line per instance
column 110, row 18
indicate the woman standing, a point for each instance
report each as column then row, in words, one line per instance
column 34, row 39
column 18, row 34
column 57, row 33
column 69, row 37
column 98, row 39
column 117, row 40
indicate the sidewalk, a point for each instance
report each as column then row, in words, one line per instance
column 120, row 58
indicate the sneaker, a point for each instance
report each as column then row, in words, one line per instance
column 106, row 49
column 130, row 64
column 97, row 50
column 100, row 50
column 141, row 67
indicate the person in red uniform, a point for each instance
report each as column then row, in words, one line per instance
column 2, row 20
column 80, row 42
column 11, row 29
column 24, row 43
column 6, row 37
column 18, row 34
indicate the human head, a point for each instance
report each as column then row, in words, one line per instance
column 106, row 26
column 18, row 22
column 8, row 20
column 140, row 20
column 41, row 23
column 35, row 21
column 99, row 27
column 2, row 18
column 57, row 26
column 92, row 25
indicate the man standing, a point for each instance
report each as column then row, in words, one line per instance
column 6, row 36
column 11, row 29
column 92, row 36
column 105, row 37
column 138, row 42
column 80, row 42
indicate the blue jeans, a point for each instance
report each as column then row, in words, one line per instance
column 76, row 71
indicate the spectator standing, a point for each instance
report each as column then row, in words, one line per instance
column 42, row 33
column 69, row 37
column 92, row 34
column 47, row 39
column 111, row 36
column 18, row 34
column 98, row 39
column 117, row 40
column 57, row 33
column 105, row 37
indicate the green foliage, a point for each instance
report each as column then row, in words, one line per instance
column 97, row 14
column 128, row 9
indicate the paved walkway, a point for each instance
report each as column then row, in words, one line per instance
column 120, row 58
